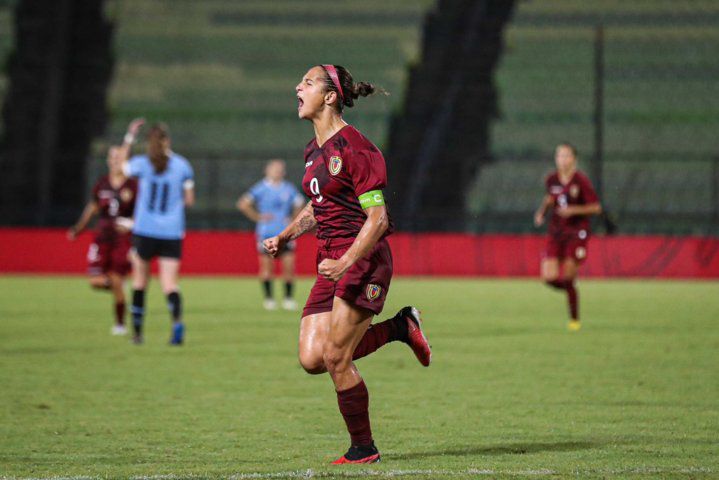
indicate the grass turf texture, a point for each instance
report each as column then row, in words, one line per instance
column 510, row 392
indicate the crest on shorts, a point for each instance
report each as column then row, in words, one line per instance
column 373, row 291
column 580, row 252
column 125, row 195
column 335, row 165
column 574, row 191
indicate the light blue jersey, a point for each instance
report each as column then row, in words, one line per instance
column 277, row 200
column 160, row 206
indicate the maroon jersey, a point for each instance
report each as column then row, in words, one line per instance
column 345, row 167
column 113, row 203
column 578, row 191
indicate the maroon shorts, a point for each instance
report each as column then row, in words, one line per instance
column 106, row 257
column 569, row 245
column 364, row 285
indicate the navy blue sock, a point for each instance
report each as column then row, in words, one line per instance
column 289, row 286
column 267, row 288
column 174, row 304
column 138, row 310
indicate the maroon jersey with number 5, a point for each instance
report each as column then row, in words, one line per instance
column 578, row 191
column 345, row 167
column 113, row 203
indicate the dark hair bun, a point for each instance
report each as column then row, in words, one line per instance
column 362, row 89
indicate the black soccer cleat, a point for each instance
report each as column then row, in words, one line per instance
column 359, row 454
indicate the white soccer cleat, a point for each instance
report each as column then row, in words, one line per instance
column 289, row 304
column 118, row 330
column 269, row 304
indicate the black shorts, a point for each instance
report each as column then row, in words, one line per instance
column 148, row 248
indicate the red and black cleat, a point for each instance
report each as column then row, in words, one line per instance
column 415, row 335
column 359, row 454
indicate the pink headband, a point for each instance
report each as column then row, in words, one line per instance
column 332, row 72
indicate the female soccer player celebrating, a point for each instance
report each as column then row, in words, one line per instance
column 344, row 177
column 573, row 200
column 113, row 199
column 166, row 188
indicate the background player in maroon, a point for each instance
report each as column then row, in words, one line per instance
column 572, row 198
column 113, row 199
column 344, row 177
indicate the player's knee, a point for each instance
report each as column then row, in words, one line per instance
column 168, row 285
column 334, row 358
column 570, row 277
column 100, row 282
column 312, row 364
column 550, row 278
column 139, row 281
column 168, row 289
column 549, row 275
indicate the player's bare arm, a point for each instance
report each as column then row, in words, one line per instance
column 124, row 224
column 374, row 227
column 90, row 210
column 130, row 137
column 542, row 210
column 580, row 210
column 189, row 193
column 302, row 223
column 246, row 205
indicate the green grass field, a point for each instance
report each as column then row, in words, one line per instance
column 511, row 393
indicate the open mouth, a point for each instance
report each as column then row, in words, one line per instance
column 300, row 102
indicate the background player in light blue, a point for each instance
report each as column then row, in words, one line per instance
column 272, row 203
column 166, row 187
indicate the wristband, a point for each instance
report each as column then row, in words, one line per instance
column 129, row 138
column 372, row 198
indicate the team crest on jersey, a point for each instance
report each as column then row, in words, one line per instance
column 126, row 194
column 574, row 191
column 335, row 165
column 373, row 291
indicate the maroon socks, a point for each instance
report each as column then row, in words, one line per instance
column 573, row 299
column 120, row 313
column 354, row 406
column 380, row 334
column 572, row 295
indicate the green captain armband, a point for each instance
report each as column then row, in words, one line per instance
column 373, row 198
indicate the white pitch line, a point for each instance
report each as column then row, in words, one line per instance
column 398, row 473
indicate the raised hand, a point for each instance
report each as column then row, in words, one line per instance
column 134, row 127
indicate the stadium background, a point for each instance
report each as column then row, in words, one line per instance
column 480, row 93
